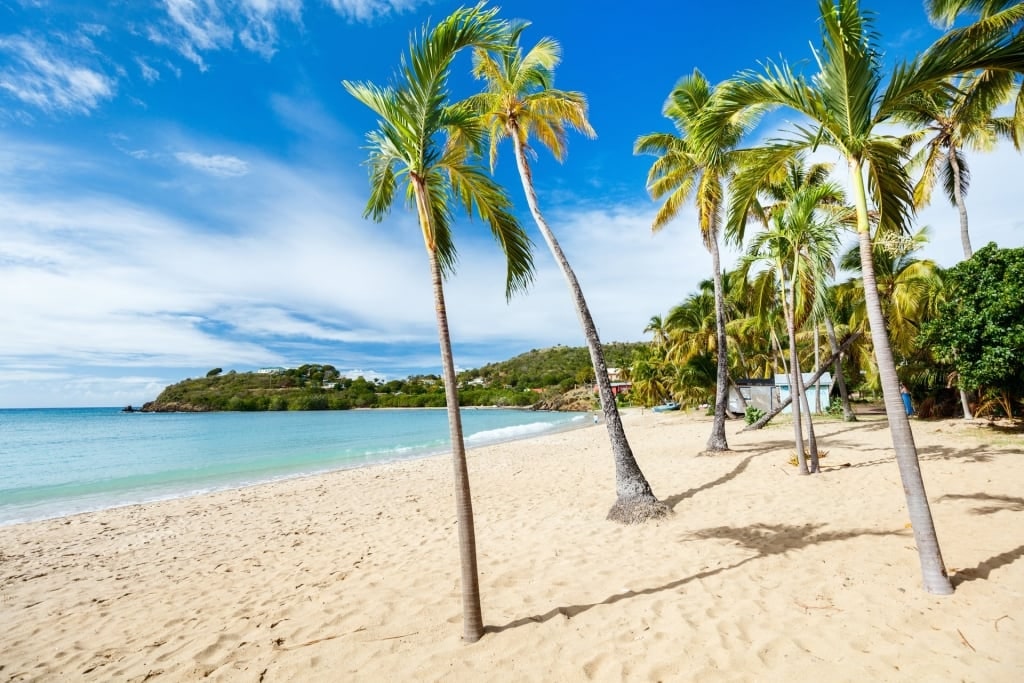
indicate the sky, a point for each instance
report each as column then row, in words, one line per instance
column 182, row 187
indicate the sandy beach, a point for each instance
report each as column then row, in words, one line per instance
column 759, row 575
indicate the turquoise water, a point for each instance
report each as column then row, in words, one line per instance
column 55, row 462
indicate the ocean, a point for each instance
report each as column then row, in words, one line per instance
column 57, row 462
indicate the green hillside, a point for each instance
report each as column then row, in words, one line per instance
column 526, row 380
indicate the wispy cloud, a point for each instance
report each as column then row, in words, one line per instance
column 41, row 75
column 194, row 26
column 197, row 27
column 219, row 165
column 366, row 10
column 149, row 73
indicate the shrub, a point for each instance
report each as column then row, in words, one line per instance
column 752, row 415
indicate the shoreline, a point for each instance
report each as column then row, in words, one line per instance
column 354, row 574
column 128, row 498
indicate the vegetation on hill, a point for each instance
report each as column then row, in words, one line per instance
column 538, row 378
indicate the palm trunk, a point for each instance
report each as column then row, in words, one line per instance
column 794, row 374
column 717, row 441
column 961, row 206
column 817, row 362
column 933, row 569
column 812, row 440
column 965, row 240
column 635, row 501
column 472, row 619
column 739, row 394
column 781, row 354
column 830, row 329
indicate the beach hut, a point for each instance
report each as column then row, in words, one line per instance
column 756, row 393
column 823, row 386
column 766, row 394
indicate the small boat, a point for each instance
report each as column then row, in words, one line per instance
column 665, row 407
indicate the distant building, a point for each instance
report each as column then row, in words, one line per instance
column 767, row 394
column 617, row 387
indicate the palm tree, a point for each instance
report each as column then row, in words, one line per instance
column 907, row 288
column 847, row 104
column 957, row 120
column 520, row 101
column 647, row 372
column 424, row 146
column 798, row 247
column 683, row 171
column 656, row 326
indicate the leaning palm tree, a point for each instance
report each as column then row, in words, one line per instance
column 848, row 103
column 520, row 101
column 683, row 171
column 424, row 147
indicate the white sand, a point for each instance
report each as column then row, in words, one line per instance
column 759, row 575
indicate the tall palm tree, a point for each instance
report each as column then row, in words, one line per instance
column 683, row 171
column 424, row 146
column 848, row 103
column 795, row 179
column 520, row 101
column 956, row 121
column 798, row 248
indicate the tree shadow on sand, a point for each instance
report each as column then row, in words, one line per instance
column 925, row 453
column 996, row 504
column 985, row 568
column 1000, row 503
column 765, row 540
column 672, row 501
column 976, row 454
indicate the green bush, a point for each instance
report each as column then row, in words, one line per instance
column 752, row 415
column 835, row 407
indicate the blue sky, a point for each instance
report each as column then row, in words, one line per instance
column 181, row 187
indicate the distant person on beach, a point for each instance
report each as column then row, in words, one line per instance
column 905, row 393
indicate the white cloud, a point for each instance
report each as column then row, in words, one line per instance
column 198, row 26
column 41, row 77
column 149, row 73
column 367, row 10
column 195, row 27
column 219, row 165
